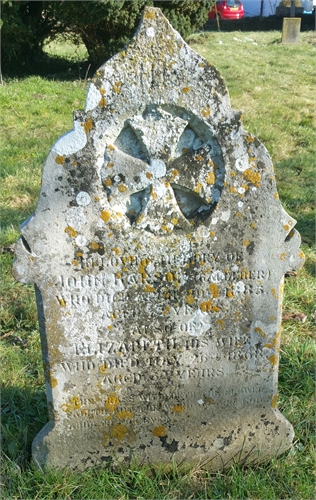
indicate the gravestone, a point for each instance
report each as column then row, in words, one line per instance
column 291, row 30
column 158, row 249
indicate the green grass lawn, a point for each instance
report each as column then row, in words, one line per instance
column 274, row 86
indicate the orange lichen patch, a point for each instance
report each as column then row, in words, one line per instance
column 103, row 369
column 273, row 359
column 239, row 214
column 199, row 157
column 149, row 14
column 149, row 288
column 232, row 189
column 276, row 196
column 122, row 415
column 246, row 243
column 253, row 225
column 117, row 87
column 53, row 382
column 105, row 215
column 167, row 309
column 253, row 177
column 60, row 160
column 301, row 255
column 212, row 234
column 74, row 163
column 185, row 90
column 94, row 245
column 111, row 147
column 165, row 228
column 260, row 331
column 112, row 402
column 178, row 408
column 71, row 231
column 102, row 101
column 214, row 290
column 230, row 294
column 174, row 221
column 79, row 254
column 274, row 293
column 216, row 309
column 75, row 262
column 109, row 164
column 201, row 65
column 209, row 401
column 283, row 256
column 206, row 306
column 286, row 227
column 169, row 277
column 149, row 175
column 108, row 182
column 119, row 431
column 115, row 250
column 88, row 125
column 250, row 138
column 62, row 302
column 74, row 404
column 102, row 91
column 189, row 299
column 205, row 112
column 210, row 178
column 197, row 188
column 274, row 401
column 159, row 431
column 122, row 188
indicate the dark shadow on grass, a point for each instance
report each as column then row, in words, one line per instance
column 51, row 68
column 24, row 413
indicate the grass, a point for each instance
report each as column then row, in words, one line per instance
column 273, row 85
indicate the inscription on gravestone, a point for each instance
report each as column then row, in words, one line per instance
column 158, row 249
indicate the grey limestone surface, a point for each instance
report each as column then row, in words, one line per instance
column 158, row 249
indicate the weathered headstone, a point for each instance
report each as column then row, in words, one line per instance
column 158, row 249
column 291, row 30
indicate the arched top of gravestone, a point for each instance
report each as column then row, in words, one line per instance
column 159, row 152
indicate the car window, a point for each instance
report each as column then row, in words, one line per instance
column 233, row 3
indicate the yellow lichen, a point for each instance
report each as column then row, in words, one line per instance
column 102, row 101
column 103, row 369
column 214, row 290
column 112, row 402
column 62, row 302
column 189, row 299
column 253, row 177
column 197, row 188
column 273, row 359
column 286, row 227
column 75, row 262
column 159, row 431
column 117, row 87
column 149, row 288
column 253, row 225
column 260, row 331
column 210, row 178
column 71, row 231
column 53, row 382
column 105, row 215
column 212, row 234
column 60, row 160
column 283, row 256
column 149, row 175
column 94, row 245
column 206, row 306
column 122, row 188
column 185, row 90
column 246, row 243
column 205, row 112
column 274, row 401
column 88, row 125
column 178, row 408
column 122, row 415
column 119, row 431
column 108, row 182
column 230, row 294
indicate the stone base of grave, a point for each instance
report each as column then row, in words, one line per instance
column 241, row 438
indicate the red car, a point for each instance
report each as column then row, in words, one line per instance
column 227, row 9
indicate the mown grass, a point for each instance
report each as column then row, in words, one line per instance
column 273, row 85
